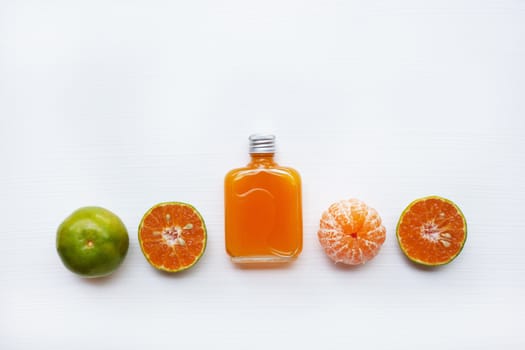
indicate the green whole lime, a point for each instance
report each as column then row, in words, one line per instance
column 92, row 242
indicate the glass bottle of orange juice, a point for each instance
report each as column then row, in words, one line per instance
column 263, row 210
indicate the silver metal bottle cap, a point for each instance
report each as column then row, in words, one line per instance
column 262, row 143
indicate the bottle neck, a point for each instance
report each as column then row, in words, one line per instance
column 262, row 160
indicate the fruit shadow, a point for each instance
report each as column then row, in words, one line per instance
column 345, row 267
column 339, row 266
column 118, row 274
column 175, row 275
column 104, row 280
column 420, row 267
column 192, row 270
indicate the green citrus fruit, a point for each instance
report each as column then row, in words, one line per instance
column 92, row 242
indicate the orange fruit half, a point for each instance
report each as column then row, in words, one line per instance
column 432, row 231
column 351, row 232
column 172, row 236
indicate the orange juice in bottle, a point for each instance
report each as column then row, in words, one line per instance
column 263, row 214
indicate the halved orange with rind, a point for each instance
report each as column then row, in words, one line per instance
column 432, row 231
column 172, row 236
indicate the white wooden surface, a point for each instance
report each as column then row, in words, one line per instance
column 125, row 104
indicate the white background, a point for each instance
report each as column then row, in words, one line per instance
column 125, row 104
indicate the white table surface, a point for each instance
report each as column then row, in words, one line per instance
column 125, row 104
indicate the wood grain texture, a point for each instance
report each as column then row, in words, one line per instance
column 127, row 105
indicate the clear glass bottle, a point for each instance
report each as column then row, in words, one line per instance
column 263, row 208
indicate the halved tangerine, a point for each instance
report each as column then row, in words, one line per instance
column 172, row 236
column 432, row 231
column 351, row 232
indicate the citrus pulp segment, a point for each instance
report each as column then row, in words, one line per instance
column 351, row 232
column 432, row 231
column 172, row 236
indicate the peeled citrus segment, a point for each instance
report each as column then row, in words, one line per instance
column 351, row 232
column 172, row 236
column 432, row 231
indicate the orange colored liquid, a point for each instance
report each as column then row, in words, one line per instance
column 263, row 214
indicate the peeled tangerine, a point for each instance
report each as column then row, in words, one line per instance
column 351, row 232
